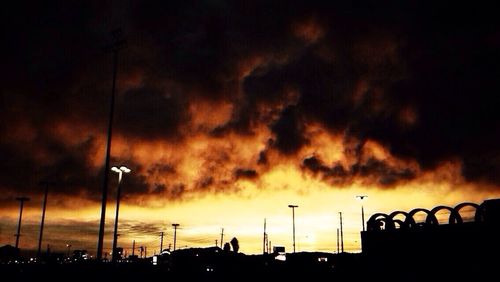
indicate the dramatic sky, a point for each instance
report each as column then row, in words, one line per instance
column 228, row 111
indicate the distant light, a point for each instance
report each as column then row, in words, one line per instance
column 280, row 257
column 322, row 259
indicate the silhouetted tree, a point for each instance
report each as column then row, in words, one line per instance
column 227, row 247
column 235, row 244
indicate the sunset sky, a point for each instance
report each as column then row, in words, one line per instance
column 228, row 111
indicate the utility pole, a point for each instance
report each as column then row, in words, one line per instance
column 116, row 45
column 221, row 237
column 133, row 248
column 338, row 242
column 216, row 243
column 161, row 242
column 341, row 234
column 21, row 200
column 175, row 233
column 46, row 183
column 293, row 219
column 264, row 239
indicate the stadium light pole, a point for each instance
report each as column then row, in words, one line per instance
column 44, row 207
column 293, row 222
column 116, row 45
column 120, row 171
column 361, row 198
column 21, row 205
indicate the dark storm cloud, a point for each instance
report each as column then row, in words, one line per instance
column 245, row 173
column 289, row 131
column 372, row 170
column 151, row 113
column 67, row 167
column 161, row 168
column 420, row 79
column 430, row 83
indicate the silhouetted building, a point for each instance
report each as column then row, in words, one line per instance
column 399, row 241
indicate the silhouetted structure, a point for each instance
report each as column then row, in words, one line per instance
column 235, row 244
column 175, row 225
column 21, row 205
column 116, row 45
column 227, row 247
column 467, row 246
column 120, row 172
column 293, row 223
column 361, row 197
column 46, row 184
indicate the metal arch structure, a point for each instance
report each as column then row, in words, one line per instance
column 478, row 216
column 390, row 221
column 454, row 217
column 409, row 220
column 376, row 220
column 430, row 218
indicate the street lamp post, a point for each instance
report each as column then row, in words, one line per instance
column 361, row 197
column 293, row 221
column 21, row 200
column 175, row 225
column 120, row 172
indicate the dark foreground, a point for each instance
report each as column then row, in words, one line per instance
column 298, row 267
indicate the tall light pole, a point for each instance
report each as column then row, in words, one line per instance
column 116, row 45
column 21, row 205
column 175, row 233
column 361, row 197
column 341, row 233
column 293, row 221
column 120, row 171
column 46, row 183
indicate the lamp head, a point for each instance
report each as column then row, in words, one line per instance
column 125, row 169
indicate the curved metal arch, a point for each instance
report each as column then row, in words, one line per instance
column 373, row 223
column 477, row 216
column 429, row 220
column 454, row 218
column 399, row 222
column 409, row 220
